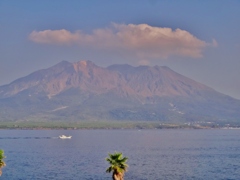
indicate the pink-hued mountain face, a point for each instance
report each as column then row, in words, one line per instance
column 83, row 75
column 158, row 81
column 124, row 80
column 83, row 90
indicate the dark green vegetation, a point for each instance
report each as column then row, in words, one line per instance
column 2, row 163
column 82, row 91
column 117, row 166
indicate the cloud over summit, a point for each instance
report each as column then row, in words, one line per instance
column 142, row 40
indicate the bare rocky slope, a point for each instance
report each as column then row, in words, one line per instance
column 85, row 91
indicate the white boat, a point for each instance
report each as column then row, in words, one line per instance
column 65, row 137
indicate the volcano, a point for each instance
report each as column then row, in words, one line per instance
column 84, row 91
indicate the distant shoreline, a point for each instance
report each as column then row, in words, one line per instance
column 84, row 125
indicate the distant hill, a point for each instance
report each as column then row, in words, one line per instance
column 84, row 91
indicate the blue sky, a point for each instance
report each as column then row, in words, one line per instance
column 199, row 39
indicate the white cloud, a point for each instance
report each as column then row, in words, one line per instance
column 54, row 36
column 141, row 40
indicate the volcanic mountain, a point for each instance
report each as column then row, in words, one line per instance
column 84, row 91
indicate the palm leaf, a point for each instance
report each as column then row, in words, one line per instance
column 117, row 163
column 2, row 163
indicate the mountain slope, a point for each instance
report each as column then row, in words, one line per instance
column 158, row 81
column 85, row 91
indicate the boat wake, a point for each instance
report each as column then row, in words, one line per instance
column 28, row 138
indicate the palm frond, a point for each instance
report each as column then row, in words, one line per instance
column 2, row 164
column 2, row 154
column 117, row 162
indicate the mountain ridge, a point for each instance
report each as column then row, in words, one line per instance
column 83, row 90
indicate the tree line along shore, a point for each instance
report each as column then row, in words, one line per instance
column 111, row 125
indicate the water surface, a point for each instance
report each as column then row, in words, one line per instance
column 153, row 154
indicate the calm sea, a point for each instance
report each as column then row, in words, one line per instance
column 153, row 154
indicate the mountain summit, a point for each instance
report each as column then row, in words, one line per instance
column 83, row 90
column 142, row 81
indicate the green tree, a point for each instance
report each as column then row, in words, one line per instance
column 117, row 166
column 2, row 163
